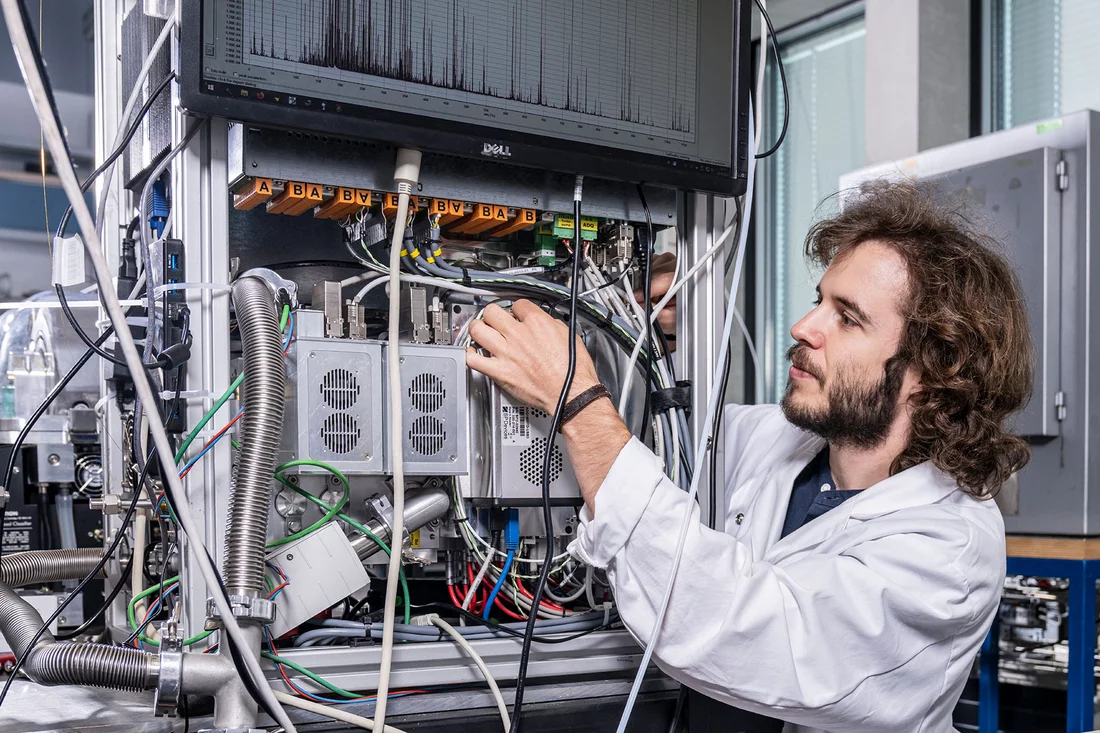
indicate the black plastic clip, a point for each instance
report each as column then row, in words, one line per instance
column 671, row 398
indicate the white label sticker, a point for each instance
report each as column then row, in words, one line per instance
column 68, row 261
column 515, row 425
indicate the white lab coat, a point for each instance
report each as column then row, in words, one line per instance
column 866, row 619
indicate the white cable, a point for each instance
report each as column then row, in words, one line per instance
column 717, row 389
column 469, row 649
column 477, row 581
column 688, row 276
column 420, row 280
column 25, row 53
column 406, row 175
column 751, row 345
column 331, row 712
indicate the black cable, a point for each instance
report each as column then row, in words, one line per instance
column 740, row 214
column 678, row 711
column 782, row 79
column 44, row 527
column 126, row 519
column 71, row 318
column 547, row 514
column 130, row 132
column 123, row 581
column 647, row 285
column 38, row 413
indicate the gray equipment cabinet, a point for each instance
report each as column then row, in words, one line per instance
column 1037, row 186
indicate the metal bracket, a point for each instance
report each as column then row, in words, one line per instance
column 278, row 284
column 244, row 607
column 3, row 497
column 170, row 681
column 379, row 508
column 1061, row 175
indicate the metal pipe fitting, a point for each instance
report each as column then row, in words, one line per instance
column 48, row 566
column 50, row 662
column 263, row 395
column 421, row 508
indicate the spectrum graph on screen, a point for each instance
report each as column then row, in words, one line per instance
column 627, row 64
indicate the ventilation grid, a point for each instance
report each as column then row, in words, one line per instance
column 530, row 462
column 427, row 435
column 537, row 414
column 427, row 392
column 340, row 389
column 341, row 432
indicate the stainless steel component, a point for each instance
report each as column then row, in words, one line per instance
column 419, row 327
column 170, row 681
column 280, row 287
column 54, row 463
column 48, row 566
column 356, row 314
column 259, row 610
column 112, row 504
column 261, row 428
column 434, row 407
column 334, row 407
column 326, row 298
column 422, row 507
column 51, row 662
column 1037, row 189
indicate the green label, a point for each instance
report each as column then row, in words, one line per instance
column 1048, row 126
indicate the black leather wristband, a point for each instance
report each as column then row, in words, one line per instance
column 574, row 406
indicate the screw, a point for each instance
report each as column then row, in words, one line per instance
column 334, row 480
column 452, row 458
column 535, row 200
column 15, row 469
column 367, row 457
column 294, row 480
column 255, row 164
column 402, row 360
column 313, row 355
column 53, row 459
column 62, row 620
column 289, row 558
column 420, row 187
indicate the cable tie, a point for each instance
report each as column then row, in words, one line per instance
column 169, row 287
column 669, row 398
column 466, row 277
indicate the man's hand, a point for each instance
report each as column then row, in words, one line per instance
column 664, row 266
column 529, row 354
column 529, row 360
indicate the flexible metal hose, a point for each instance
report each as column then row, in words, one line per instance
column 263, row 395
column 60, row 663
column 48, row 566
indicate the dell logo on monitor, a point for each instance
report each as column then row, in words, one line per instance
column 495, row 150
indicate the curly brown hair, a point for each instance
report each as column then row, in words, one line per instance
column 966, row 331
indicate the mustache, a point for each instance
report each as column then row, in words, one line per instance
column 796, row 355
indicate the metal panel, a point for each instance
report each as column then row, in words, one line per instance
column 1019, row 196
column 433, row 409
column 335, row 161
column 1055, row 489
column 334, row 413
column 519, row 444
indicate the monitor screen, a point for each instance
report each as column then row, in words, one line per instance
column 642, row 90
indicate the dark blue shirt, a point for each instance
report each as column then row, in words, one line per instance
column 814, row 493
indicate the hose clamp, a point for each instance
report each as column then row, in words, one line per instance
column 170, row 681
column 281, row 288
column 248, row 608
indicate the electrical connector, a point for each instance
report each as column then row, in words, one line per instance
column 511, row 531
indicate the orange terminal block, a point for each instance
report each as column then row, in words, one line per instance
column 345, row 201
column 485, row 216
column 254, row 192
column 524, row 218
column 296, row 198
column 447, row 210
column 389, row 204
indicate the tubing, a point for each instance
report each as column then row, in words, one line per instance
column 47, row 566
column 61, row 663
column 421, row 508
column 263, row 395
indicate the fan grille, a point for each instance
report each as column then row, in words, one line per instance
column 427, row 392
column 341, row 432
column 427, row 435
column 340, row 389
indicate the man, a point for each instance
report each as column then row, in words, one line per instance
column 861, row 560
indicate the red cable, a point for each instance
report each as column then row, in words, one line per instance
column 454, row 596
column 547, row 605
column 507, row 612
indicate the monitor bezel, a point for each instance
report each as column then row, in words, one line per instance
column 468, row 140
